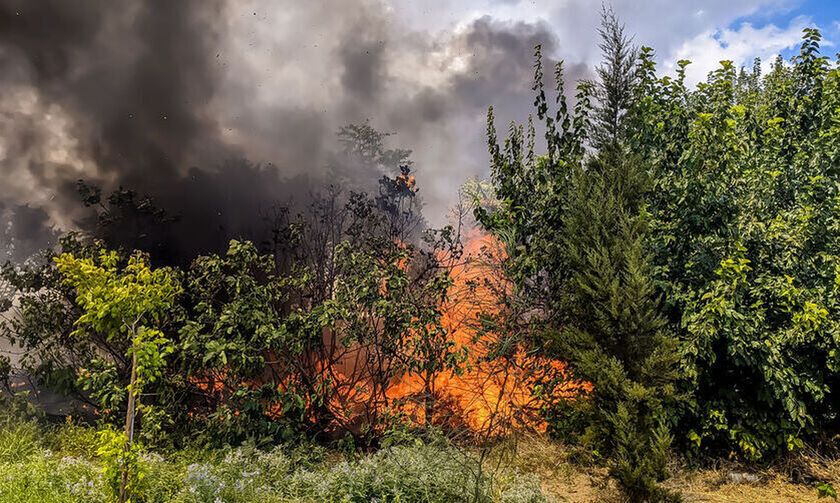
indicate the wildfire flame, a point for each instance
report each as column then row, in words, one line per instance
column 493, row 394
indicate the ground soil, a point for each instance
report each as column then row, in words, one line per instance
column 793, row 479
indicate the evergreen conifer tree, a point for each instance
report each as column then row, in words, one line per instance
column 614, row 335
column 617, row 77
column 575, row 226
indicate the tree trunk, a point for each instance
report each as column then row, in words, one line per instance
column 129, row 428
column 428, row 402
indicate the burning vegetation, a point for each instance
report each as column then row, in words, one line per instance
column 666, row 275
column 347, row 319
column 447, row 366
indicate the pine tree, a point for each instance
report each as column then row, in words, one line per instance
column 616, row 80
column 576, row 232
column 614, row 336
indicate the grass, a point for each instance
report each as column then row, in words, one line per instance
column 567, row 478
column 58, row 463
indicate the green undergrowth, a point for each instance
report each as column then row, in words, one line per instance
column 46, row 463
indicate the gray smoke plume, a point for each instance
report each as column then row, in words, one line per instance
column 221, row 109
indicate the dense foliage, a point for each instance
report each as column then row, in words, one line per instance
column 576, row 230
column 674, row 254
column 745, row 243
column 670, row 232
column 614, row 336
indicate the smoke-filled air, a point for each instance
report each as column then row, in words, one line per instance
column 370, row 251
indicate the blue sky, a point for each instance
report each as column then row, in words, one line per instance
column 824, row 14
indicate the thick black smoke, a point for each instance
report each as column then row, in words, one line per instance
column 224, row 110
column 132, row 84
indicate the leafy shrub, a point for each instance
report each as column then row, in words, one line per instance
column 418, row 473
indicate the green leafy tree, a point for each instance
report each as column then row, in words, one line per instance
column 124, row 301
column 248, row 351
column 744, row 238
column 388, row 302
column 272, row 366
column 530, row 189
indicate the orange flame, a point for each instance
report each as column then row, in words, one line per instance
column 493, row 394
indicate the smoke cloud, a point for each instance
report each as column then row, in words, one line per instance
column 221, row 109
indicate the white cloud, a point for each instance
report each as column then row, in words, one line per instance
column 740, row 45
column 691, row 29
